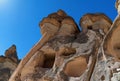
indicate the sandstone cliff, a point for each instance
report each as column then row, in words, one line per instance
column 8, row 63
column 65, row 53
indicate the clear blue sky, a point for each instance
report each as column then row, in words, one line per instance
column 19, row 19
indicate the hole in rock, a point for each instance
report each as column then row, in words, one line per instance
column 49, row 61
column 102, row 77
column 118, row 47
column 76, row 67
column 90, row 27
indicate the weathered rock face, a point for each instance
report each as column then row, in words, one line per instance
column 12, row 53
column 100, row 21
column 66, row 54
column 8, row 63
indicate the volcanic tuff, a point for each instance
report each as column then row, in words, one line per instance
column 65, row 53
column 8, row 63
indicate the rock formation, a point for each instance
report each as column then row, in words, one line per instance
column 12, row 53
column 95, row 22
column 8, row 63
column 66, row 54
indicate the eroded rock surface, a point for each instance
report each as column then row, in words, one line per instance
column 8, row 63
column 71, row 55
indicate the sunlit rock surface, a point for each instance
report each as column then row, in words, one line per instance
column 8, row 63
column 73, row 55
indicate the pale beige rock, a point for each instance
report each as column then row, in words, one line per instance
column 58, row 16
column 49, row 27
column 61, row 13
column 29, row 69
column 66, row 51
column 107, row 64
column 117, row 5
column 71, row 55
column 112, row 43
column 76, row 67
column 68, row 27
column 48, row 20
column 8, row 63
column 47, row 35
column 11, row 53
column 95, row 22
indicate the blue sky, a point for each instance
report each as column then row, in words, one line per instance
column 19, row 19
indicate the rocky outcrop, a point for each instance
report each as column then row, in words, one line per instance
column 12, row 53
column 66, row 54
column 51, row 31
column 97, row 22
column 8, row 63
